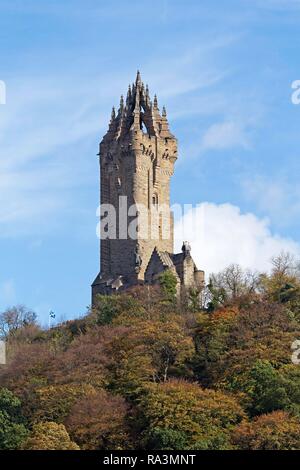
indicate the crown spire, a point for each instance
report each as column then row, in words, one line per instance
column 164, row 126
column 137, row 111
column 138, row 78
column 128, row 98
column 121, row 103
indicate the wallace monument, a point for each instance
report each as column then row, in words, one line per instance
column 137, row 157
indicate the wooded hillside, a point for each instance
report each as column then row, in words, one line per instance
column 142, row 371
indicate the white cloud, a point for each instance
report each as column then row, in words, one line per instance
column 221, row 235
column 225, row 135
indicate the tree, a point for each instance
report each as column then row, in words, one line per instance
column 274, row 431
column 84, row 360
column 109, row 307
column 121, row 377
column 12, row 428
column 192, row 300
column 168, row 283
column 54, row 402
column 179, row 415
column 15, row 318
column 169, row 346
column 264, row 387
column 27, row 368
column 49, row 436
column 283, row 284
column 151, row 298
column 148, row 351
column 98, row 421
column 290, row 376
column 34, row 365
column 232, row 285
column 163, row 438
column 211, row 338
column 230, row 341
column 284, row 265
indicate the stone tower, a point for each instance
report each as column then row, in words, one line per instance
column 137, row 156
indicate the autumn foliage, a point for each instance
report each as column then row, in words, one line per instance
column 143, row 371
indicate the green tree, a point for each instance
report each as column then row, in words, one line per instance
column 49, row 436
column 162, row 438
column 12, row 428
column 211, row 338
column 109, row 307
column 168, row 283
column 230, row 341
column 264, row 387
column 290, row 376
column 181, row 415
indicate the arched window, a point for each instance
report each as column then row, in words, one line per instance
column 155, row 199
column 144, row 128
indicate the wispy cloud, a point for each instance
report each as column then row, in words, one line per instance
column 277, row 197
column 48, row 123
column 7, row 292
column 225, row 135
column 42, row 128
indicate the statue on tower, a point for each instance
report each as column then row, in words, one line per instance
column 186, row 249
column 138, row 258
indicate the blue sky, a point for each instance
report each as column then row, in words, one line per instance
column 224, row 71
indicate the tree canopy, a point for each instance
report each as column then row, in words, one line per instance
column 142, row 370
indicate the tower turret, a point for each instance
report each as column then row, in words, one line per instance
column 136, row 156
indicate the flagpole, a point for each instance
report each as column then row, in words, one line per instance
column 51, row 315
